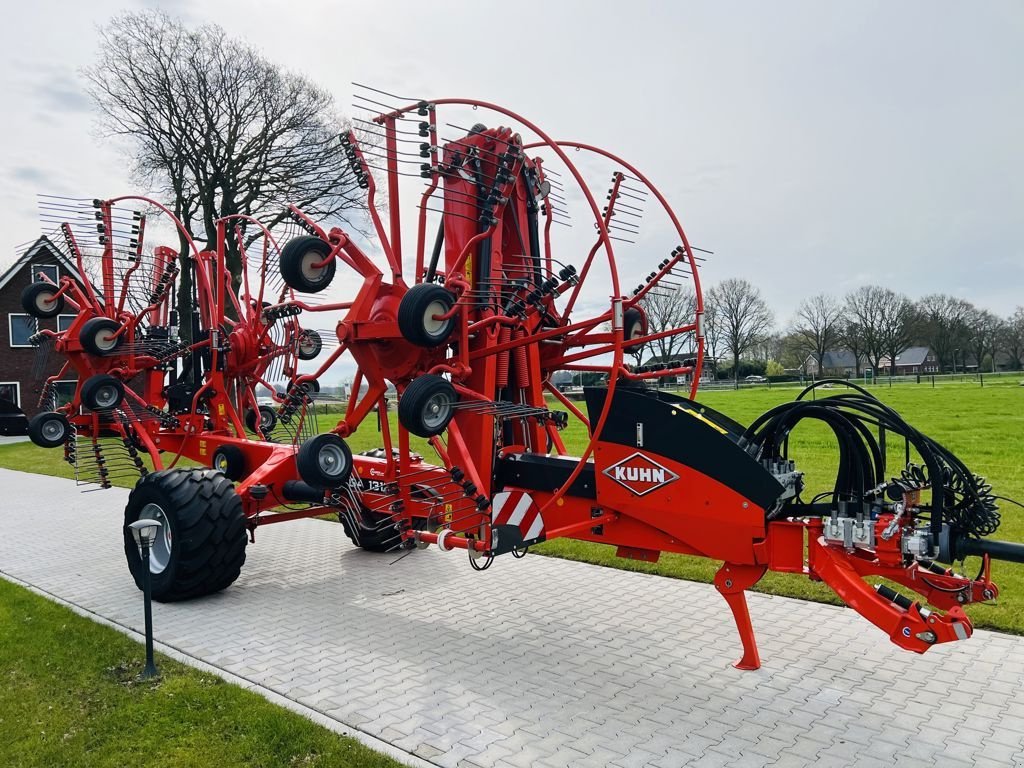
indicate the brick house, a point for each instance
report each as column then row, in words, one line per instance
column 18, row 384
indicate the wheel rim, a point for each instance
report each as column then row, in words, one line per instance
column 309, row 267
column 331, row 460
column 160, row 552
column 44, row 301
column 434, row 327
column 222, row 463
column 106, row 396
column 53, row 430
column 308, row 345
column 437, row 411
column 105, row 339
column 266, row 419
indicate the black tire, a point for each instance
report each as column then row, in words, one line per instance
column 381, row 538
column 102, row 392
column 297, row 259
column 206, row 548
column 263, row 419
column 427, row 405
column 48, row 429
column 230, row 460
column 95, row 337
column 324, row 461
column 312, row 387
column 38, row 300
column 634, row 323
column 310, row 344
column 417, row 310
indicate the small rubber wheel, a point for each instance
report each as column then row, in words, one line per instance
column 312, row 386
column 230, row 460
column 310, row 344
column 97, row 336
column 263, row 419
column 324, row 461
column 38, row 300
column 417, row 313
column 102, row 392
column 200, row 547
column 634, row 323
column 48, row 429
column 300, row 258
column 427, row 405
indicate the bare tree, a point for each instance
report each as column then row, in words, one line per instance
column 851, row 336
column 667, row 309
column 944, row 325
column 714, row 346
column 897, row 325
column 218, row 129
column 1012, row 338
column 817, row 326
column 983, row 332
column 744, row 317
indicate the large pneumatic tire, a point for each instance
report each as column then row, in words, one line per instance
column 49, row 429
column 310, row 344
column 416, row 313
column 38, row 300
column 299, row 258
column 230, row 460
column 427, row 405
column 201, row 546
column 102, row 392
column 263, row 419
column 634, row 323
column 382, row 539
column 324, row 461
column 97, row 336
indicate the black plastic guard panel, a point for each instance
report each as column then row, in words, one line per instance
column 546, row 473
column 705, row 440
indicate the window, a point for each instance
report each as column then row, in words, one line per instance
column 50, row 270
column 22, row 327
column 64, row 322
column 11, row 390
column 63, row 392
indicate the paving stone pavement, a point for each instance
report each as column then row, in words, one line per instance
column 538, row 662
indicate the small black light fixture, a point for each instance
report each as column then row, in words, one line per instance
column 145, row 532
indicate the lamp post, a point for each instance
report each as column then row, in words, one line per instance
column 145, row 531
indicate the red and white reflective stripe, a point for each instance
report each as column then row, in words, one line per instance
column 517, row 508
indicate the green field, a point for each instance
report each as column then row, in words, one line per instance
column 71, row 696
column 984, row 426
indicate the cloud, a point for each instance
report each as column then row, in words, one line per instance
column 30, row 175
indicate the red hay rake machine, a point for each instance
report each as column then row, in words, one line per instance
column 469, row 329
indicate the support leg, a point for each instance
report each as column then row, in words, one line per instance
column 731, row 580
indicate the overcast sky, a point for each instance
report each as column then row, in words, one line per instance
column 813, row 146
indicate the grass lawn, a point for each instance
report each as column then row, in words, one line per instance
column 984, row 426
column 70, row 696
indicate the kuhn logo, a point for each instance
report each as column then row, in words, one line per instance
column 640, row 474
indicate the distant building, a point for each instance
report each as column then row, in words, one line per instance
column 837, row 362
column 24, row 368
column 909, row 362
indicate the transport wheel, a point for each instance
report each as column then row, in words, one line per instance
column 230, row 460
column 324, row 461
column 634, row 323
column 48, row 429
column 97, row 336
column 380, row 536
column 310, row 344
column 102, row 392
column 263, row 419
column 427, row 405
column 38, row 300
column 299, row 259
column 416, row 313
column 200, row 547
